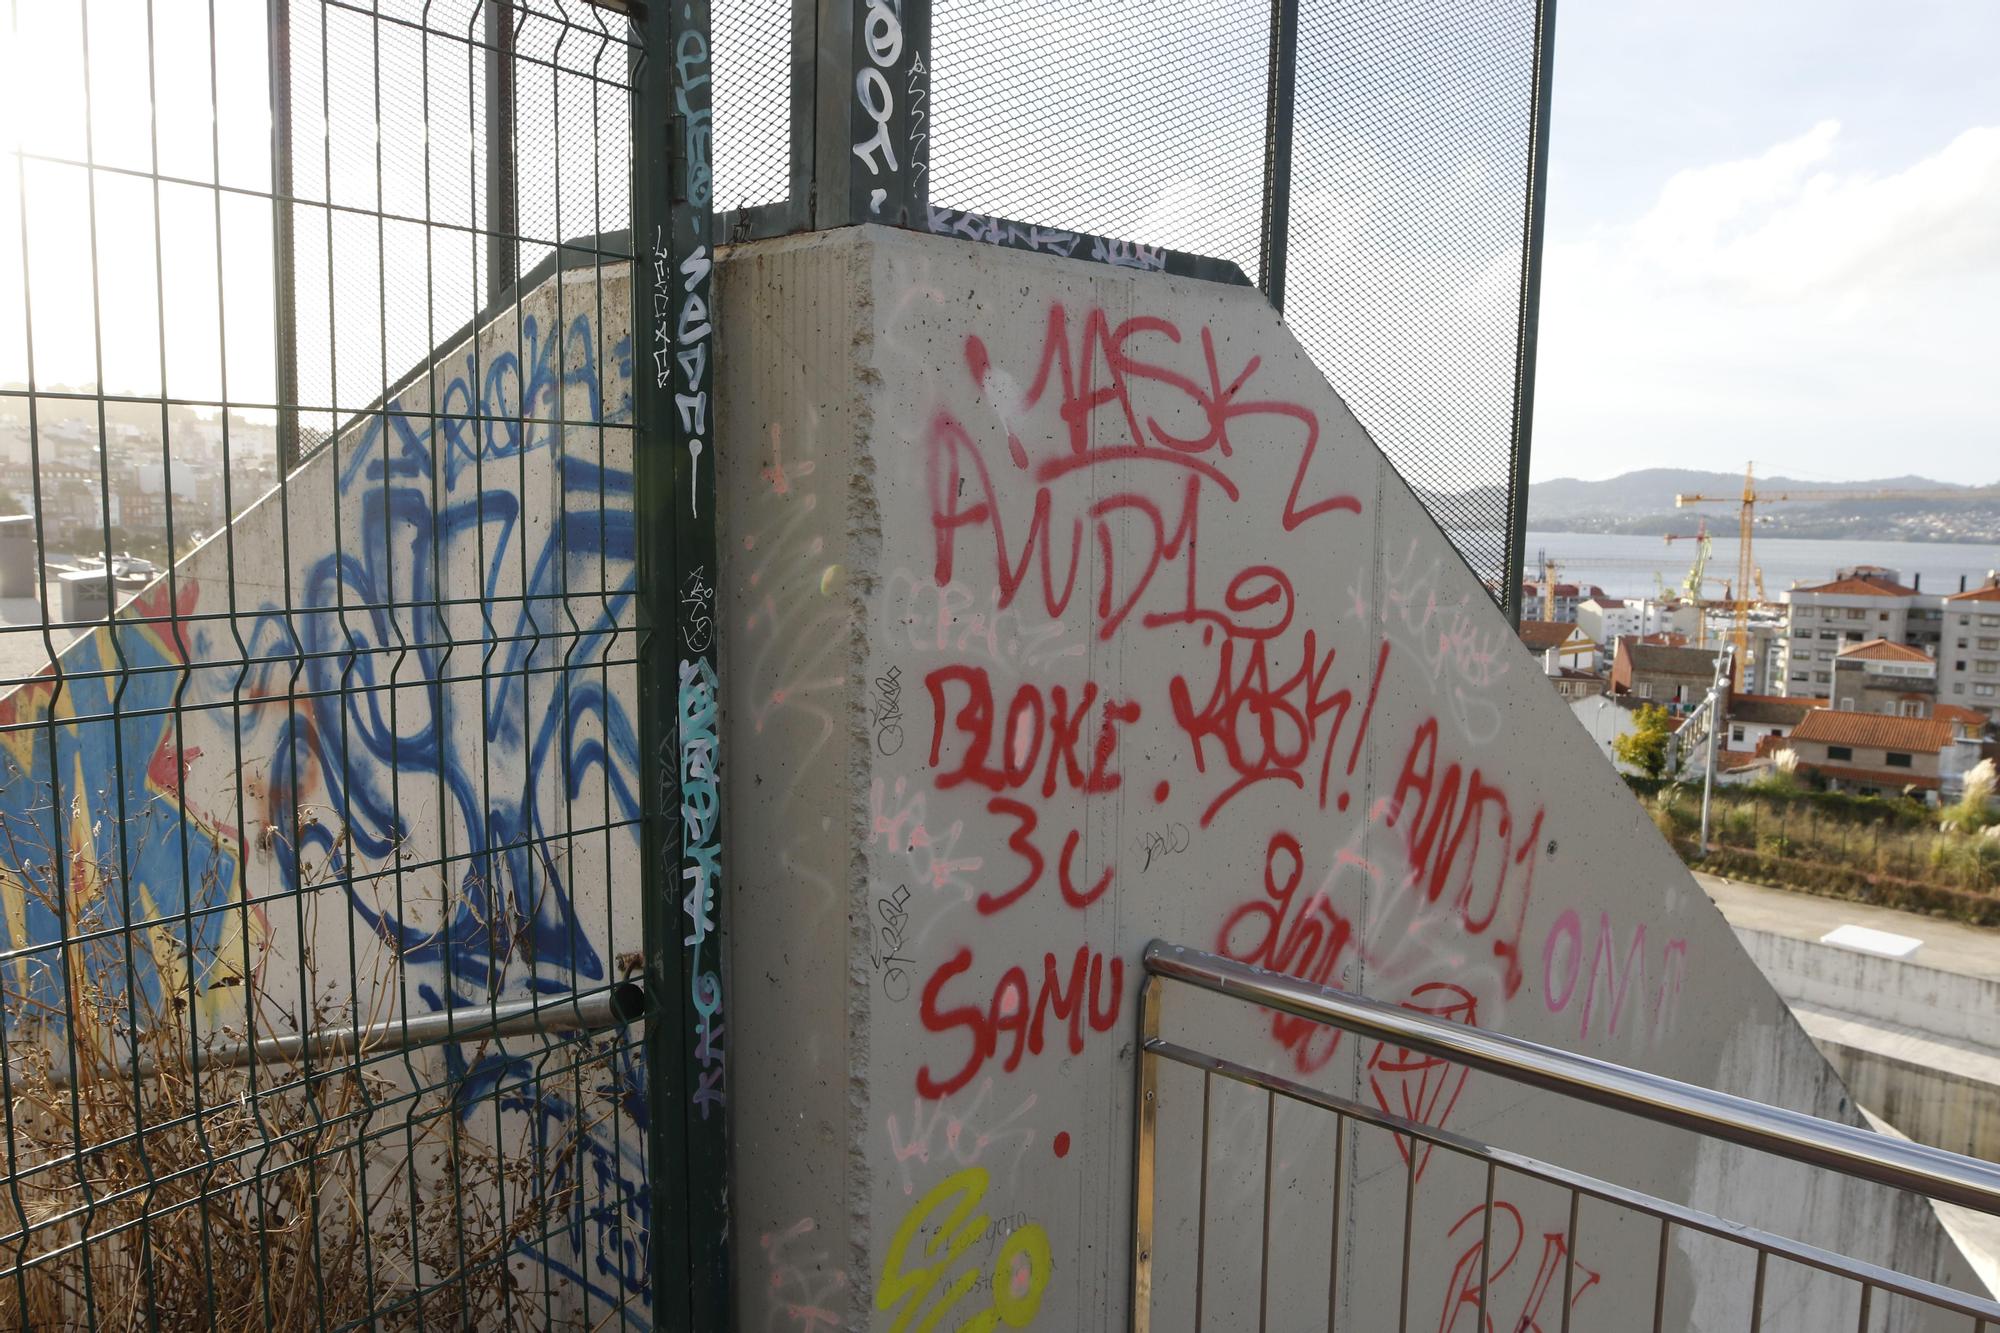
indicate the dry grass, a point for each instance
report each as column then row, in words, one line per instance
column 254, row 1196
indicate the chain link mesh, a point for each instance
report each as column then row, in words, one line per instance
column 1147, row 122
column 751, row 43
column 310, row 776
column 1138, row 121
column 1409, row 181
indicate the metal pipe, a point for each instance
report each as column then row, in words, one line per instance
column 614, row 1006
column 1790, row 1134
column 1722, row 677
column 1676, row 1217
column 1529, row 339
column 284, row 281
column 1277, row 228
column 502, row 215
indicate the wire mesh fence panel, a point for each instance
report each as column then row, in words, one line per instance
column 1410, row 172
column 751, row 46
column 318, row 772
column 1140, row 122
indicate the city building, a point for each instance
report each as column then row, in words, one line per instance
column 1969, row 659
column 1860, row 603
column 1879, row 676
column 1572, row 683
column 1756, row 718
column 1607, row 717
column 1607, row 619
column 1565, row 600
column 1874, row 754
column 1662, row 675
column 1565, row 639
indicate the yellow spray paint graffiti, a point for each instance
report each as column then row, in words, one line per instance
column 918, row 1274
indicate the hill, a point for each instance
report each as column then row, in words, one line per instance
column 1643, row 502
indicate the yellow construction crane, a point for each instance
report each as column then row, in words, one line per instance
column 1697, row 575
column 1746, row 569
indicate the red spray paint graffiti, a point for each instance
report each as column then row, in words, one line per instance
column 1160, row 419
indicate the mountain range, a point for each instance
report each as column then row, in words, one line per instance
column 1643, row 502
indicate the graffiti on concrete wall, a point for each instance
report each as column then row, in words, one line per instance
column 1130, row 643
column 431, row 678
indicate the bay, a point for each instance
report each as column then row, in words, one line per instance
column 1624, row 564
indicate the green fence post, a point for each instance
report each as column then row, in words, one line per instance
column 674, row 484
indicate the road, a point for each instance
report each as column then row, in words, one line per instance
column 1948, row 946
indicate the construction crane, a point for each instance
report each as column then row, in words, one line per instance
column 1746, row 569
column 1697, row 577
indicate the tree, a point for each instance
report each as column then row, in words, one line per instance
column 1645, row 748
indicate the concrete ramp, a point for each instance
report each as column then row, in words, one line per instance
column 1067, row 608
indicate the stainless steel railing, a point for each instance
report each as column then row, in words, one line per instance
column 1789, row 1134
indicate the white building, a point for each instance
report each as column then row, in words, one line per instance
column 1860, row 604
column 1604, row 619
column 1969, row 656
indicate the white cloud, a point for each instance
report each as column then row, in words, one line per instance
column 1781, row 307
column 1786, row 225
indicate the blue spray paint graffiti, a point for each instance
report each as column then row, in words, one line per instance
column 448, row 649
column 702, row 853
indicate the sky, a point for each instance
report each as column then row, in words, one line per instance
column 1773, row 234
column 1773, row 229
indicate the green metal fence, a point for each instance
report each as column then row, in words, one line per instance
column 324, row 776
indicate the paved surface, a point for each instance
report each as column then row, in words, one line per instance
column 1949, row 946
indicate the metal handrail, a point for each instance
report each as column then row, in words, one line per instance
column 1790, row 1134
column 588, row 1011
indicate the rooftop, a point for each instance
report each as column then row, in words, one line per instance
column 1986, row 592
column 1774, row 710
column 1965, row 720
column 1873, row 586
column 1876, row 731
column 1882, row 650
column 1661, row 659
column 1542, row 635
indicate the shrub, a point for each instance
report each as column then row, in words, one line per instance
column 163, row 1187
column 1646, row 747
column 1974, row 812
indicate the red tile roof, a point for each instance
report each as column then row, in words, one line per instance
column 1876, row 731
column 1542, row 635
column 1881, row 650
column 1770, row 710
column 1970, row 717
column 1861, row 587
column 1989, row 593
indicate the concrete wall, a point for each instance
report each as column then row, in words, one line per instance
column 1066, row 608
column 1946, row 1005
column 1914, row 1044
column 424, row 642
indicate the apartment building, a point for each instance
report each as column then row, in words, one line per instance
column 1864, row 603
column 1608, row 619
column 1879, row 676
column 1566, row 598
column 1969, row 658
